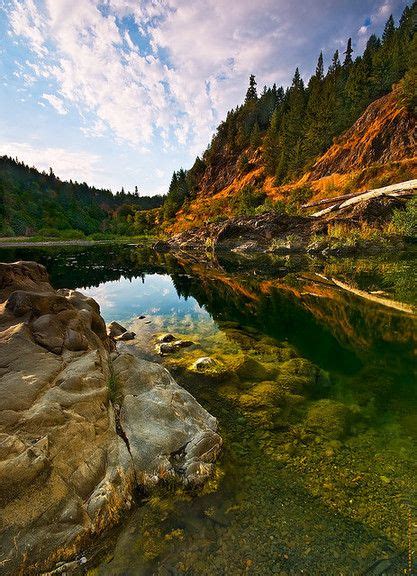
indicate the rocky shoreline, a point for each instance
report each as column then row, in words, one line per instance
column 281, row 233
column 84, row 422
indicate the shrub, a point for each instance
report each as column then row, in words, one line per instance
column 408, row 90
column 71, row 234
column 405, row 221
column 48, row 233
column 248, row 200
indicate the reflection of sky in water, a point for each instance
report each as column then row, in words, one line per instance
column 155, row 294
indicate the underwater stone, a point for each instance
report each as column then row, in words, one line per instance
column 330, row 418
column 251, row 369
column 115, row 329
column 208, row 366
column 126, row 336
column 166, row 338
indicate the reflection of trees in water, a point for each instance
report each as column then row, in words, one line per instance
column 338, row 331
column 88, row 266
column 370, row 344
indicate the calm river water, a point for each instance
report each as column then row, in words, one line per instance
column 317, row 404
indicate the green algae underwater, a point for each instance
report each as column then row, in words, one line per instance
column 315, row 391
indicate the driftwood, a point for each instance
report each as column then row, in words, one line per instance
column 383, row 301
column 403, row 189
column 330, row 200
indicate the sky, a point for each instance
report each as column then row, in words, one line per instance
column 120, row 93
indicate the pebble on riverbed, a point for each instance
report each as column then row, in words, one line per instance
column 126, row 336
column 171, row 347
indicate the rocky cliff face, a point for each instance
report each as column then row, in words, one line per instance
column 69, row 460
column 386, row 132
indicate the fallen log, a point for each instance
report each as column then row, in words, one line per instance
column 330, row 200
column 402, row 188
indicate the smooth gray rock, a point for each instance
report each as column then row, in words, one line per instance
column 169, row 433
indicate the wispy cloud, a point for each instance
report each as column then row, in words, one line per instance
column 69, row 165
column 56, row 103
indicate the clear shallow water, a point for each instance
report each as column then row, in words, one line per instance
column 153, row 294
column 320, row 424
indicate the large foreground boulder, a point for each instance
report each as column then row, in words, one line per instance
column 67, row 471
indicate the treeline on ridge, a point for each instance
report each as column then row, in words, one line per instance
column 38, row 202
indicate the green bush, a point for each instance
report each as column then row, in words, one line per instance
column 48, row 233
column 248, row 200
column 101, row 236
column 70, row 233
column 405, row 221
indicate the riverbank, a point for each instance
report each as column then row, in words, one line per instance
column 28, row 242
column 385, row 222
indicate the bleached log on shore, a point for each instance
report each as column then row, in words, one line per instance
column 400, row 189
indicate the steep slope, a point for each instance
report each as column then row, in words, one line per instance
column 385, row 133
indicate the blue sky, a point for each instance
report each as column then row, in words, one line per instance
column 123, row 92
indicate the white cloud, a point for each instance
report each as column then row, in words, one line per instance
column 98, row 68
column 56, row 103
column 80, row 166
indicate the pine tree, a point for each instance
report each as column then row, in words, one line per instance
column 316, row 114
column 291, row 130
column 335, row 65
column 389, row 30
column 320, row 68
column 271, row 145
column 255, row 137
column 348, row 53
column 251, row 94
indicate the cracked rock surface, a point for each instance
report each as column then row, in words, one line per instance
column 169, row 433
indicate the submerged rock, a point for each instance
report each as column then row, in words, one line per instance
column 126, row 336
column 115, row 329
column 330, row 418
column 250, row 369
column 166, row 338
column 65, row 472
column 169, row 347
column 208, row 366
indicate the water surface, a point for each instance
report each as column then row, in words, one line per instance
column 317, row 406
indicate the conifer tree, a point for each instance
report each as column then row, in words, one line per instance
column 320, row 68
column 348, row 53
column 389, row 30
column 251, row 94
column 271, row 145
column 255, row 137
column 335, row 65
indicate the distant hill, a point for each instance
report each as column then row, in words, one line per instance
column 33, row 202
column 349, row 128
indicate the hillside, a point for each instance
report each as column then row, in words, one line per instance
column 32, row 202
column 385, row 133
column 380, row 148
column 346, row 130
